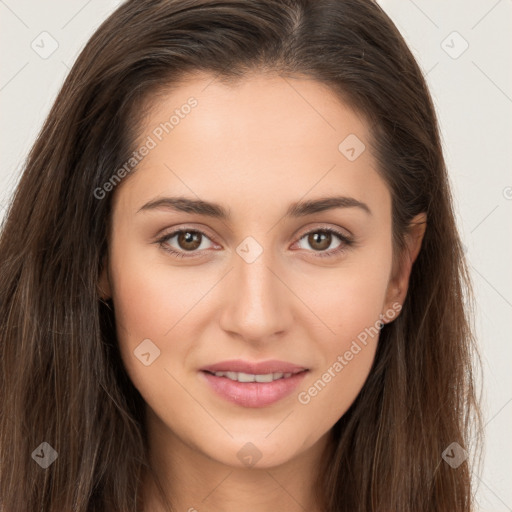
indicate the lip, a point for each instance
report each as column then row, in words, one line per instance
column 256, row 368
column 253, row 394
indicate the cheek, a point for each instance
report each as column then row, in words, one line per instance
column 330, row 392
column 145, row 310
column 149, row 296
column 347, row 355
column 348, row 298
column 349, row 303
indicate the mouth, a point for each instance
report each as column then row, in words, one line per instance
column 252, row 377
column 272, row 366
column 253, row 384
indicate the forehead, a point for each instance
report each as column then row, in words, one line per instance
column 277, row 108
column 259, row 137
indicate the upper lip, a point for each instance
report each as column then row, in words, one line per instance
column 255, row 368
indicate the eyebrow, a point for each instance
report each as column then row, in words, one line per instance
column 215, row 210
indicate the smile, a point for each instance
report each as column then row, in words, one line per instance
column 253, row 390
column 251, row 377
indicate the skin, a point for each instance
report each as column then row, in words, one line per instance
column 255, row 148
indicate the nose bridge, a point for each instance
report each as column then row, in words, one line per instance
column 257, row 306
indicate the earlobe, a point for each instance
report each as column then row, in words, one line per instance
column 399, row 282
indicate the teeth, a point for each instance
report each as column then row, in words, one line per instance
column 250, row 377
column 246, row 377
column 264, row 378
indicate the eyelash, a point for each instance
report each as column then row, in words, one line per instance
column 346, row 243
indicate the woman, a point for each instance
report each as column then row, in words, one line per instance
column 231, row 275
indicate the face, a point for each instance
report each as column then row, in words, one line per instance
column 280, row 250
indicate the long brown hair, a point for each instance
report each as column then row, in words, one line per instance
column 63, row 381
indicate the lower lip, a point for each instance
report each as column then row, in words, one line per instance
column 253, row 394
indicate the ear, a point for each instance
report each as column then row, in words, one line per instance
column 103, row 286
column 399, row 281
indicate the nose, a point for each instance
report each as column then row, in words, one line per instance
column 258, row 304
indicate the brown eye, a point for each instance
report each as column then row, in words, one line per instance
column 183, row 241
column 320, row 240
column 189, row 240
